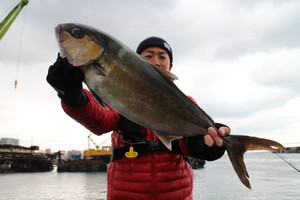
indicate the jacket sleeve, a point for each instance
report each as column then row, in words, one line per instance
column 92, row 116
column 196, row 148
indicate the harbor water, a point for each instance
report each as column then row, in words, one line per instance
column 270, row 178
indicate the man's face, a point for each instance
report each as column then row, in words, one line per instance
column 158, row 57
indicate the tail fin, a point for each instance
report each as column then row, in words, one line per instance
column 237, row 145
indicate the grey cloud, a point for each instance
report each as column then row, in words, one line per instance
column 283, row 72
column 228, row 110
column 125, row 21
column 264, row 27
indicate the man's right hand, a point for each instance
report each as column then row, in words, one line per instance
column 67, row 81
column 214, row 136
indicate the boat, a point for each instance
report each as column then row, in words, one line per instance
column 196, row 163
column 94, row 160
column 15, row 158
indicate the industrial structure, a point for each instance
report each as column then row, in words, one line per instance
column 16, row 158
column 93, row 159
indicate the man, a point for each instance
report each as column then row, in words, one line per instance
column 156, row 173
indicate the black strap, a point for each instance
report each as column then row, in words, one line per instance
column 131, row 132
column 149, row 146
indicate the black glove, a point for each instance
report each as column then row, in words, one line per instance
column 197, row 148
column 67, row 81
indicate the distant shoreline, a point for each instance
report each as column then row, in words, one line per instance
column 290, row 150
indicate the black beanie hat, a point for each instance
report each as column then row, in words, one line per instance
column 155, row 42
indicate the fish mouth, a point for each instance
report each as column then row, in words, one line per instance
column 61, row 35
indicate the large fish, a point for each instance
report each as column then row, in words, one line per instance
column 145, row 93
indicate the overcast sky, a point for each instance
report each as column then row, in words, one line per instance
column 240, row 60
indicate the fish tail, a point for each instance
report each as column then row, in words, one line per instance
column 237, row 145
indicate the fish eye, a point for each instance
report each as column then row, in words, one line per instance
column 77, row 33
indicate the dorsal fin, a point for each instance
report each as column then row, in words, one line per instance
column 168, row 75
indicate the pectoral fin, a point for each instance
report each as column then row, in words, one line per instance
column 98, row 99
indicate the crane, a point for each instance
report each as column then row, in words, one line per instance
column 105, row 150
column 9, row 19
column 90, row 139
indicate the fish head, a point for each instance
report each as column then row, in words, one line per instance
column 79, row 43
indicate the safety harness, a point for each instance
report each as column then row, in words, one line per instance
column 140, row 149
column 132, row 135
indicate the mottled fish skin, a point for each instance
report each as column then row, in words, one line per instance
column 144, row 93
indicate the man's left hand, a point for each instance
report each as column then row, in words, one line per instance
column 214, row 136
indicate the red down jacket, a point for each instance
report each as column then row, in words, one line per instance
column 156, row 175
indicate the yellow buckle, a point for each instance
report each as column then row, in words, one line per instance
column 131, row 153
